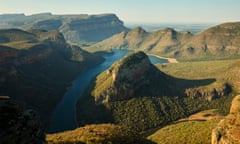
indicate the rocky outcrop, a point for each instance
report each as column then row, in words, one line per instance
column 130, row 77
column 228, row 130
column 19, row 125
column 209, row 93
column 80, row 29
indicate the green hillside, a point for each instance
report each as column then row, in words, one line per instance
column 191, row 132
column 98, row 134
column 161, row 98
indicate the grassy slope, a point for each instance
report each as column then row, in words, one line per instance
column 222, row 71
column 190, row 132
column 18, row 39
column 197, row 131
column 97, row 134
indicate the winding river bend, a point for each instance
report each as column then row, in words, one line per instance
column 64, row 116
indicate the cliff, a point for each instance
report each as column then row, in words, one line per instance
column 228, row 130
column 36, row 66
column 219, row 42
column 79, row 29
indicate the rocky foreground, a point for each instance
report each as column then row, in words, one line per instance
column 228, row 130
column 19, row 125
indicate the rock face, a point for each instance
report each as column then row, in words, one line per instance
column 228, row 130
column 18, row 125
column 209, row 93
column 80, row 29
column 221, row 41
column 36, row 66
column 127, row 78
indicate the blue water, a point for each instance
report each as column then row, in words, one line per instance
column 64, row 116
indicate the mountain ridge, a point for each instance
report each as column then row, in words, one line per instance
column 218, row 42
column 79, row 28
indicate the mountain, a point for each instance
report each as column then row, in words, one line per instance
column 219, row 42
column 36, row 66
column 96, row 134
column 79, row 29
column 128, row 78
column 228, row 130
column 138, row 95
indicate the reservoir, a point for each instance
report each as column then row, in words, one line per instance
column 64, row 115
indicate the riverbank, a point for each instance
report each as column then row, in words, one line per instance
column 170, row 60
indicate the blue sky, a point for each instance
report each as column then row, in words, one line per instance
column 144, row 11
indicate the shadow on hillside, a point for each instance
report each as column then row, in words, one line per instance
column 182, row 84
column 162, row 84
column 155, row 84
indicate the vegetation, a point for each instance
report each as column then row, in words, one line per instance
column 17, row 39
column 190, row 132
column 146, row 111
column 36, row 66
column 221, row 70
column 98, row 134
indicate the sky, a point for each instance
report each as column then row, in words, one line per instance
column 134, row 11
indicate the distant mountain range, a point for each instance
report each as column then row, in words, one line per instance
column 79, row 29
column 218, row 42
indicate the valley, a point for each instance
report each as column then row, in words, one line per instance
column 66, row 108
column 89, row 79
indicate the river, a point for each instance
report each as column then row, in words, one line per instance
column 64, row 116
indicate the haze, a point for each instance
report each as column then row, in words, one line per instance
column 135, row 11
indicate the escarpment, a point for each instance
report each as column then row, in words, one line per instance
column 80, row 29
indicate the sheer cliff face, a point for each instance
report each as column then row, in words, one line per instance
column 80, row 29
column 92, row 28
column 228, row 130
